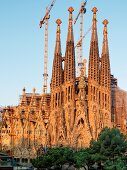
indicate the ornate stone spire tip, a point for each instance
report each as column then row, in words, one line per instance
column 105, row 22
column 71, row 9
column 24, row 89
column 58, row 22
column 94, row 10
column 34, row 90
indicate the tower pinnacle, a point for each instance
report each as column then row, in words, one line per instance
column 70, row 9
column 58, row 21
column 23, row 90
column 105, row 22
column 57, row 63
column 58, row 43
column 69, row 64
column 94, row 10
column 70, row 28
column 105, row 63
column 34, row 90
column 94, row 50
column 94, row 34
column 23, row 99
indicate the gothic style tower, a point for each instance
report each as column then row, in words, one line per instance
column 57, row 63
column 69, row 77
column 69, row 65
column 93, row 79
column 105, row 82
column 56, row 91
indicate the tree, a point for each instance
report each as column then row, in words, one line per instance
column 117, row 164
column 55, row 157
column 110, row 146
column 82, row 158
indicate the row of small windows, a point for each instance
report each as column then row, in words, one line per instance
column 58, row 98
column 23, row 160
column 23, row 112
column 102, row 98
column 68, row 94
column 4, row 131
column 94, row 94
column 19, row 132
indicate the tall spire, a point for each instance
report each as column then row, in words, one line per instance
column 69, row 65
column 105, row 80
column 93, row 79
column 57, row 63
column 58, row 43
column 94, row 51
column 70, row 36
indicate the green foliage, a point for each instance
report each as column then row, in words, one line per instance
column 54, row 157
column 110, row 143
column 109, row 149
column 117, row 164
column 82, row 158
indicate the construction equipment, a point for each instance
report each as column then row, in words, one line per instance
column 44, row 20
column 79, row 45
column 79, row 41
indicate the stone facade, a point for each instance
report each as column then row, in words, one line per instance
column 75, row 110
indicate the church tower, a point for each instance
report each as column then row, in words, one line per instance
column 69, row 77
column 93, row 79
column 105, row 82
column 56, row 130
column 57, row 63
column 69, row 64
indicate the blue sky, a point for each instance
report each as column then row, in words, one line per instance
column 22, row 41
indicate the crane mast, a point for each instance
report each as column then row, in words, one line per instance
column 45, row 74
column 79, row 46
column 90, row 28
column 44, row 20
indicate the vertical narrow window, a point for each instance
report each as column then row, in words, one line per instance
column 99, row 97
column 102, row 100
column 56, row 100
column 94, row 94
column 69, row 93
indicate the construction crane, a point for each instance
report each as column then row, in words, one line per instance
column 79, row 41
column 79, row 45
column 44, row 20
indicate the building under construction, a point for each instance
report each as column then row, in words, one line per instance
column 77, row 107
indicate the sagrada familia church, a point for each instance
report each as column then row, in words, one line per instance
column 76, row 109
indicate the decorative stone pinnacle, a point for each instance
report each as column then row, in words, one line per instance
column 58, row 22
column 71, row 9
column 94, row 10
column 34, row 90
column 105, row 22
column 24, row 89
